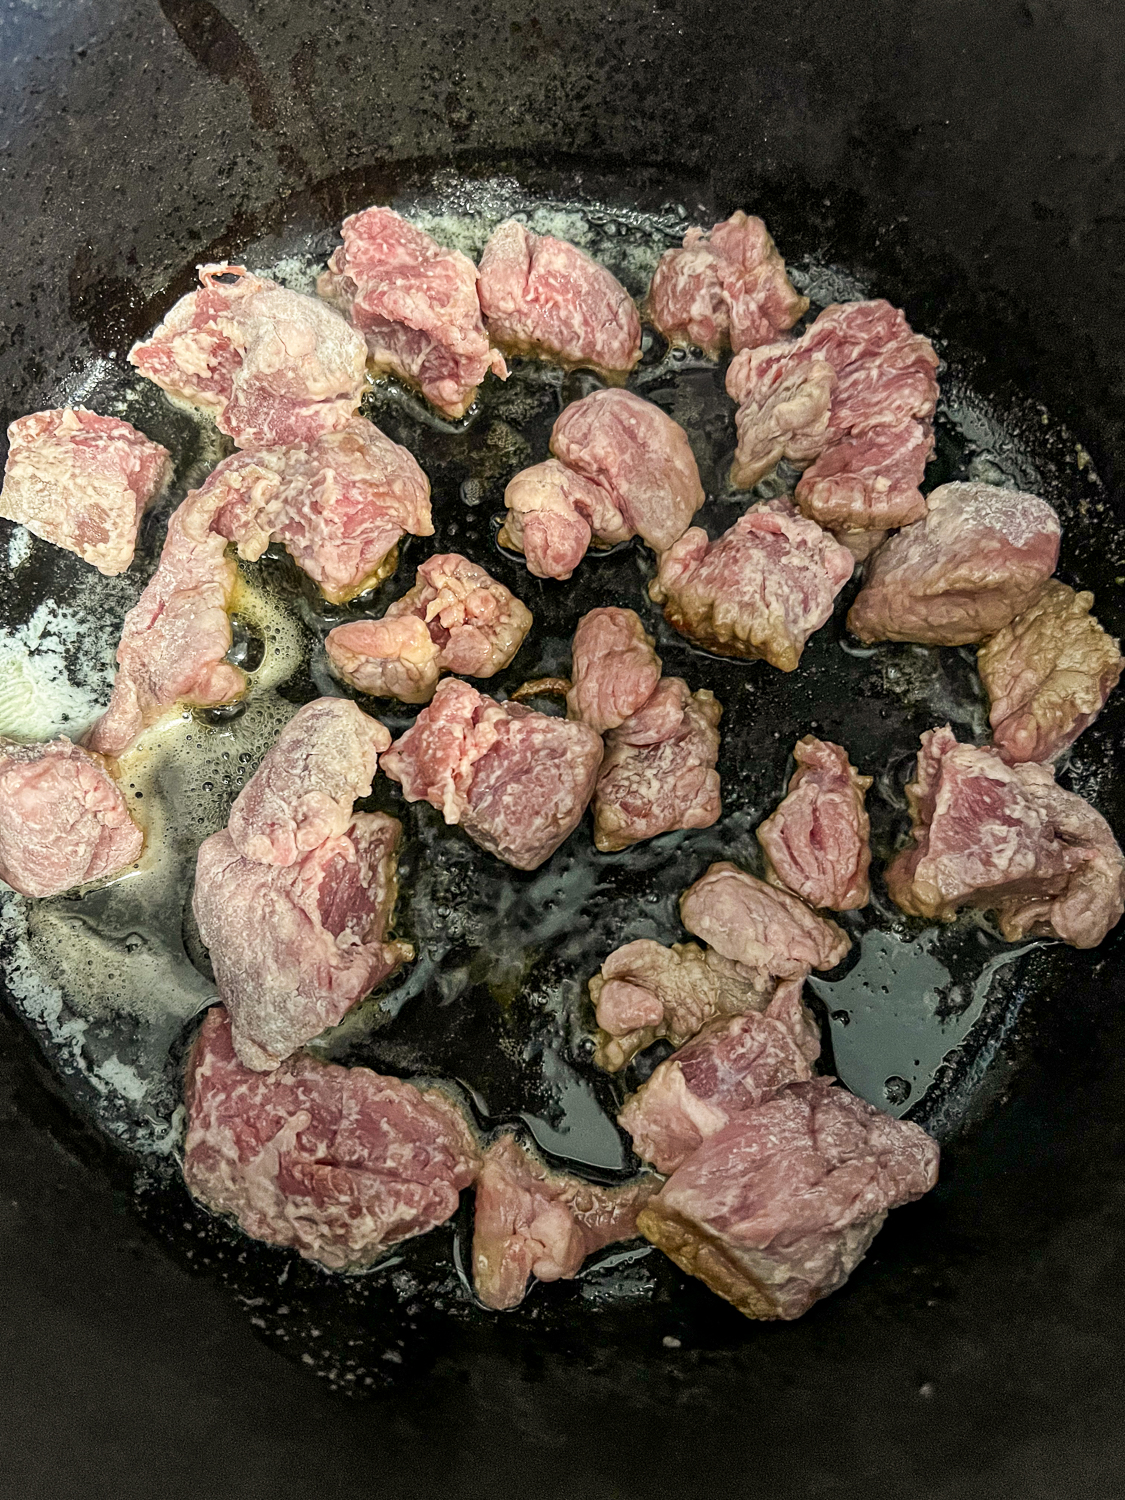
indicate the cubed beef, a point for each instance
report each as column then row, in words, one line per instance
column 554, row 515
column 82, row 482
column 817, row 843
column 614, row 668
column 978, row 559
column 759, row 926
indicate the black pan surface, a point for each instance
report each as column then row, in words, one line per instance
column 987, row 1316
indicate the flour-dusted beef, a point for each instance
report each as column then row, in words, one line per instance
column 516, row 781
column 82, row 482
column 779, row 1207
column 759, row 926
column 732, row 1064
column 303, row 790
column 416, row 305
column 978, row 559
column 1009, row 840
column 817, row 843
column 530, row 1222
column 614, row 668
column 855, row 394
column 645, row 991
column 546, row 298
column 725, row 287
column 1048, row 674
column 339, row 502
column 63, row 819
column 272, row 366
column 760, row 590
column 337, row 1163
column 659, row 768
column 554, row 515
column 456, row 618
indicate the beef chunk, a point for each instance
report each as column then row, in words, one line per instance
column 614, row 668
column 553, row 515
column 531, row 1222
column 337, row 1163
column 760, row 590
column 856, row 393
column 659, row 768
column 517, row 781
column 270, row 365
column 1009, row 840
column 779, row 1207
column 759, row 926
column 63, row 819
column 979, row 558
column 456, row 618
column 416, row 305
column 82, row 482
column 817, row 842
column 725, row 287
column 546, row 298
column 734, row 1063
column 646, row 991
column 1048, row 675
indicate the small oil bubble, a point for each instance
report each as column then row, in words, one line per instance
column 897, row 1090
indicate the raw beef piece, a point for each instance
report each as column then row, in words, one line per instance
column 779, row 1207
column 817, row 843
column 978, row 559
column 82, row 482
column 302, row 793
column 63, row 820
column 271, row 365
column 760, row 590
column 456, row 618
column 1048, row 675
column 547, row 298
column 416, row 304
column 857, row 394
column 639, row 456
column 339, row 503
column 725, row 287
column 553, row 516
column 531, row 1222
column 295, row 946
column 614, row 668
column 659, row 768
column 646, row 991
column 175, row 638
column 337, row 1163
column 734, row 1063
column 1007, row 839
column 516, row 781
column 759, row 926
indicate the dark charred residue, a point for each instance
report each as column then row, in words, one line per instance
column 217, row 46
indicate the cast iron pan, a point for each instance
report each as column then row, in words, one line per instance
column 975, row 1349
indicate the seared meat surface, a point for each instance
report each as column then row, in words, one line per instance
column 818, row 840
column 758, row 926
column 614, row 668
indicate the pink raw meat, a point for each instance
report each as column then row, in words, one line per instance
column 779, row 1207
column 546, row 298
column 726, row 287
column 337, row 1163
column 456, row 618
column 645, row 991
column 271, row 365
column 531, row 1222
column 979, row 558
column 517, row 781
column 614, row 669
column 553, row 516
column 760, row 590
column 82, row 482
column 659, row 768
column 63, row 819
column 817, row 843
column 1009, row 840
column 1048, row 675
column 734, row 1063
column 759, row 926
column 416, row 304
